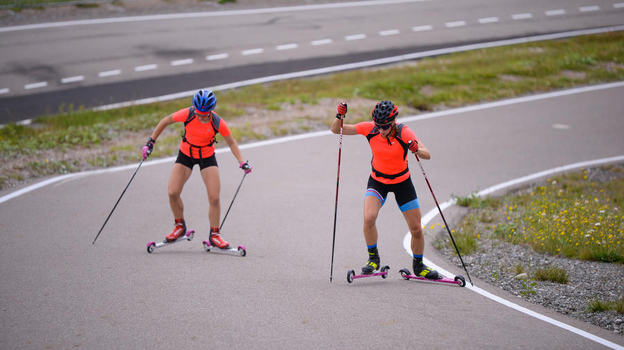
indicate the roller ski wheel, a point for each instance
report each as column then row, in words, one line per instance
column 151, row 246
column 241, row 250
column 458, row 280
column 383, row 273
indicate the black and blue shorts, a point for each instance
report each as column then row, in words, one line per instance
column 190, row 162
column 404, row 193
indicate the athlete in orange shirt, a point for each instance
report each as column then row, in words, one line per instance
column 389, row 143
column 201, row 124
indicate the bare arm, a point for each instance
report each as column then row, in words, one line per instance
column 423, row 152
column 168, row 120
column 234, row 148
column 347, row 129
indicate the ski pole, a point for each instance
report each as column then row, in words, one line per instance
column 443, row 219
column 122, row 193
column 331, row 274
column 235, row 194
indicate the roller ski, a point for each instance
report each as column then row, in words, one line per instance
column 407, row 275
column 217, row 244
column 369, row 269
column 188, row 236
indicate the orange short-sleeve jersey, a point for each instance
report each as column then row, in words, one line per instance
column 389, row 161
column 199, row 136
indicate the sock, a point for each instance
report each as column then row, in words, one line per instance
column 418, row 259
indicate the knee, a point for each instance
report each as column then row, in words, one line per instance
column 417, row 232
column 370, row 220
column 174, row 194
column 214, row 201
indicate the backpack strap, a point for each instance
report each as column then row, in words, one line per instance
column 374, row 132
column 216, row 122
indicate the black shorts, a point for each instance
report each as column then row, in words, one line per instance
column 190, row 162
column 404, row 193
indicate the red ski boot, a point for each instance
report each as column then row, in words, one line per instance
column 216, row 240
column 178, row 230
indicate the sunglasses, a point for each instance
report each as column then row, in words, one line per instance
column 384, row 127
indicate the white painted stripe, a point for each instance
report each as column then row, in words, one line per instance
column 4, row 91
column 455, row 24
column 589, row 8
column 38, row 85
column 24, row 122
column 521, row 16
column 389, row 32
column 561, row 126
column 363, row 64
column 252, row 52
column 555, row 12
column 182, row 62
column 109, row 73
column 72, row 79
column 488, row 20
column 286, row 47
column 355, row 37
column 145, row 67
column 321, row 42
column 217, row 57
column 619, row 5
column 210, row 14
column 422, row 28
column 434, row 213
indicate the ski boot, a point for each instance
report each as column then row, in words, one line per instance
column 422, row 270
column 216, row 243
column 216, row 240
column 178, row 231
column 372, row 264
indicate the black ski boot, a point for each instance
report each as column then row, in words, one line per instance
column 420, row 269
column 372, row 264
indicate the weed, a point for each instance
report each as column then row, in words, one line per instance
column 553, row 274
column 598, row 305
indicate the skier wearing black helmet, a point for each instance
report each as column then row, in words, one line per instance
column 389, row 143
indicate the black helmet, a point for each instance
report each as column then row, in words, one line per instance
column 385, row 112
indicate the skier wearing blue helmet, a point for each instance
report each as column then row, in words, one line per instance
column 201, row 125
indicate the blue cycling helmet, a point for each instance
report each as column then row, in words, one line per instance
column 204, row 101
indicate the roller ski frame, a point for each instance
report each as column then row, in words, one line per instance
column 151, row 246
column 458, row 280
column 241, row 250
column 383, row 273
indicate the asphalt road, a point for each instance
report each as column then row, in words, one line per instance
column 60, row 291
column 95, row 63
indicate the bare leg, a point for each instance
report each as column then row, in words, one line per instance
column 372, row 205
column 413, row 217
column 179, row 175
column 212, row 181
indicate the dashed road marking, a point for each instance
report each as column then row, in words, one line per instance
column 145, row 67
column 219, row 56
column 555, row 12
column 252, row 52
column 38, row 85
column 109, row 73
column 488, row 20
column 389, row 32
column 518, row 16
column 4, row 91
column 561, row 126
column 355, row 37
column 321, row 42
column 286, row 47
column 455, row 24
column 422, row 28
column 72, row 79
column 589, row 8
column 619, row 5
column 182, row 62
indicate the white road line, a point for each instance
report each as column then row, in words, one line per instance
column 589, row 8
column 619, row 5
column 389, row 32
column 38, row 85
column 526, row 179
column 217, row 57
column 182, row 62
column 561, row 126
column 555, row 12
column 422, row 28
column 321, row 42
column 286, row 47
column 355, row 37
column 109, row 73
column 488, row 20
column 455, row 24
column 252, row 52
column 145, row 67
column 72, row 79
column 518, row 16
column 4, row 91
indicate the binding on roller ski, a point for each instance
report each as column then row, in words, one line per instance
column 151, row 246
column 459, row 279
column 369, row 269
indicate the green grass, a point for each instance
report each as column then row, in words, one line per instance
column 570, row 215
column 552, row 273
